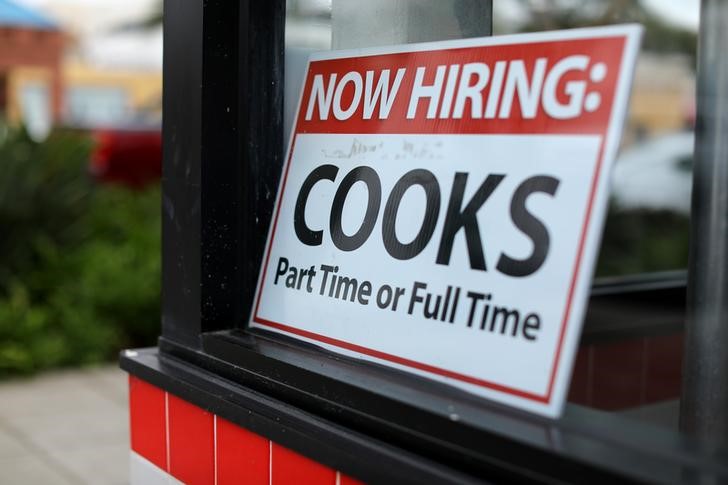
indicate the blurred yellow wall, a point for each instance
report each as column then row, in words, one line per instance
column 19, row 77
column 663, row 94
column 143, row 88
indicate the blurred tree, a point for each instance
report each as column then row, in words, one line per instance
column 642, row 241
column 154, row 18
column 660, row 35
column 44, row 191
column 150, row 21
column 79, row 263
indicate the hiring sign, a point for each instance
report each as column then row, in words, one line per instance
column 441, row 206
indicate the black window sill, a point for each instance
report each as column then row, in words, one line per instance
column 382, row 425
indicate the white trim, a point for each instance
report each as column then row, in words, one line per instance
column 144, row 472
column 166, row 428
column 214, row 444
column 270, row 462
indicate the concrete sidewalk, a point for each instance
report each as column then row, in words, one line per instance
column 68, row 427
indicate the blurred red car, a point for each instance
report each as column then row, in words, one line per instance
column 131, row 156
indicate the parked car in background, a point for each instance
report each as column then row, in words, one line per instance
column 655, row 174
column 131, row 156
column 648, row 224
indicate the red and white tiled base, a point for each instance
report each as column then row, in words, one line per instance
column 173, row 441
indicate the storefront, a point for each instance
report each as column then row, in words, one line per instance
column 219, row 401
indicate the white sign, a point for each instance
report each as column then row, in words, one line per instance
column 441, row 206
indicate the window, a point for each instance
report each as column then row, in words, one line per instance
column 96, row 105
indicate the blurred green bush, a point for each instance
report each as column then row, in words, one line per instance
column 79, row 262
column 643, row 241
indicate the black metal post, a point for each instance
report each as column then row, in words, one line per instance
column 182, row 108
column 704, row 404
column 222, row 158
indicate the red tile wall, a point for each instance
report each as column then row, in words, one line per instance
column 580, row 391
column 628, row 373
column 289, row 467
column 147, row 412
column 618, row 375
column 191, row 442
column 664, row 367
column 242, row 456
column 197, row 447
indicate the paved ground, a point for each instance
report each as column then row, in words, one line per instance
column 64, row 428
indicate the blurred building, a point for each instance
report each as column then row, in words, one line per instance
column 48, row 76
column 663, row 94
column 102, row 97
column 31, row 55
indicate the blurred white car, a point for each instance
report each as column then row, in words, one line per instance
column 655, row 174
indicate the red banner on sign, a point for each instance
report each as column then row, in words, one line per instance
column 548, row 87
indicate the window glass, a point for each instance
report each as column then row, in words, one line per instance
column 647, row 225
column 96, row 106
column 630, row 359
column 35, row 108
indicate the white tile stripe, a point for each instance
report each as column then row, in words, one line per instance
column 270, row 462
column 144, row 472
column 166, row 427
column 214, row 443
